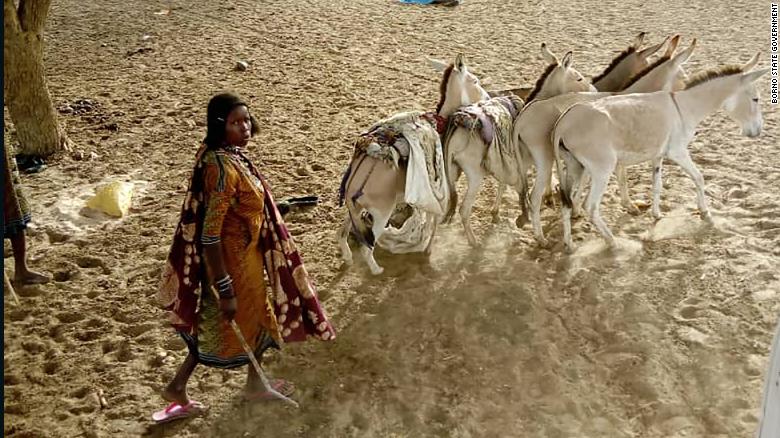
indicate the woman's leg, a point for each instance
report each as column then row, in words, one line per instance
column 23, row 274
column 176, row 391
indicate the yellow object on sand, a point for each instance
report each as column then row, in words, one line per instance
column 113, row 199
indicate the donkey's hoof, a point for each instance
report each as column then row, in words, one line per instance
column 707, row 218
column 543, row 242
column 633, row 210
column 377, row 271
column 521, row 221
column 495, row 218
column 569, row 248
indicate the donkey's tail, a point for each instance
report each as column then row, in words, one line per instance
column 557, row 143
column 524, row 158
column 451, row 172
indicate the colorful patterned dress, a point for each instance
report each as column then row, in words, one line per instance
column 228, row 202
column 16, row 210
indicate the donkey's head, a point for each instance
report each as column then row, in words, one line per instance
column 666, row 73
column 459, row 87
column 559, row 77
column 742, row 105
column 627, row 64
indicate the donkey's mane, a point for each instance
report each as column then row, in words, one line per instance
column 445, row 79
column 540, row 82
column 623, row 55
column 646, row 70
column 713, row 74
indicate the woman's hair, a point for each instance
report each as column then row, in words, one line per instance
column 220, row 106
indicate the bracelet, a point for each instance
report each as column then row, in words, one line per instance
column 225, row 287
column 226, row 280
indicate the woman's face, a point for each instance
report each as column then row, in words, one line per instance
column 238, row 129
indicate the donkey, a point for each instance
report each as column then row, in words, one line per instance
column 465, row 150
column 373, row 187
column 628, row 63
column 625, row 66
column 534, row 125
column 630, row 129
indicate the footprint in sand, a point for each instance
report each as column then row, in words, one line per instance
column 596, row 252
column 136, row 330
column 69, row 316
column 689, row 309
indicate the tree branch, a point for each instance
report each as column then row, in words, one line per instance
column 10, row 17
column 33, row 13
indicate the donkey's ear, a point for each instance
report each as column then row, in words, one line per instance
column 437, row 65
column 648, row 52
column 755, row 74
column 638, row 40
column 460, row 63
column 683, row 56
column 567, row 59
column 752, row 63
column 670, row 49
column 548, row 56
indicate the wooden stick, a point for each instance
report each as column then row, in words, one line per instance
column 7, row 285
column 252, row 358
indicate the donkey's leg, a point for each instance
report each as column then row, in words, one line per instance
column 548, row 195
column 683, row 159
column 543, row 176
column 580, row 194
column 497, row 205
column 625, row 198
column 475, row 176
column 569, row 180
column 342, row 237
column 433, row 235
column 380, row 219
column 657, row 170
column 599, row 180
column 522, row 198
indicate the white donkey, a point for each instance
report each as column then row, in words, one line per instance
column 624, row 68
column 534, row 125
column 630, row 129
column 626, row 64
column 466, row 150
column 373, row 187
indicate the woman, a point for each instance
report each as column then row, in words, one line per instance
column 16, row 216
column 230, row 234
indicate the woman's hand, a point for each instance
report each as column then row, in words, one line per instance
column 228, row 307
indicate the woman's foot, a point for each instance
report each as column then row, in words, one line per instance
column 173, row 395
column 176, row 411
column 256, row 391
column 30, row 277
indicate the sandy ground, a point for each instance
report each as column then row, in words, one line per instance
column 667, row 336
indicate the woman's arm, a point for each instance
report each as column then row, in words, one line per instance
column 220, row 181
column 220, row 279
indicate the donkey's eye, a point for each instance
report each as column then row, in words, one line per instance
column 755, row 99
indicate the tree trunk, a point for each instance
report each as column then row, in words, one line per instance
column 26, row 93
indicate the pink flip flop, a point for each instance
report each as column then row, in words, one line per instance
column 175, row 411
